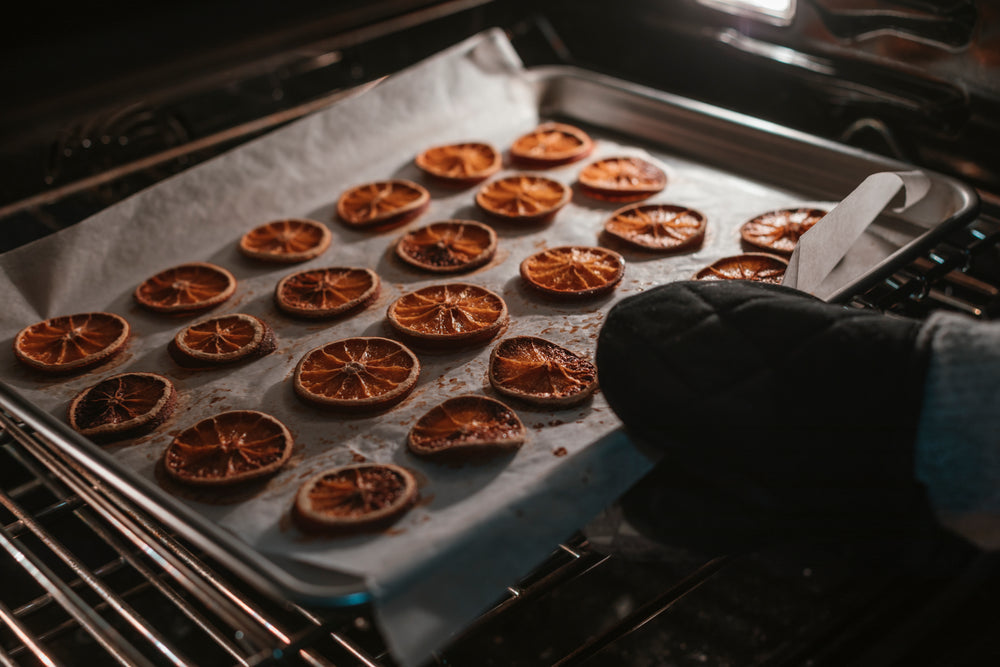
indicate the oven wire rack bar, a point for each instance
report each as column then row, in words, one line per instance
column 141, row 567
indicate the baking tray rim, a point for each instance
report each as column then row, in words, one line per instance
column 263, row 571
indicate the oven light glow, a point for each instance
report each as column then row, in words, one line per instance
column 780, row 12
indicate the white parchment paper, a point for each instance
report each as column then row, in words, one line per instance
column 478, row 527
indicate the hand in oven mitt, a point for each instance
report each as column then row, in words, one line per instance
column 781, row 416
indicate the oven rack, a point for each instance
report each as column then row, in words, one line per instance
column 91, row 579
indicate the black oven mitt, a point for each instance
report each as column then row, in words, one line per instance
column 779, row 416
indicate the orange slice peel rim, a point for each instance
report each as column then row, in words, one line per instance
column 456, row 163
column 326, row 491
column 445, row 239
column 639, row 226
column 357, row 364
column 222, row 441
column 71, row 342
column 561, row 377
column 523, row 198
column 205, row 286
column 286, row 241
column 96, row 412
column 294, row 292
column 551, row 144
column 467, row 427
column 717, row 270
column 555, row 264
column 194, row 344
column 382, row 204
column 424, row 306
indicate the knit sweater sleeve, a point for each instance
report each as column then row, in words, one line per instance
column 957, row 454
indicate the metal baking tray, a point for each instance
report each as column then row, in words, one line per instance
column 755, row 154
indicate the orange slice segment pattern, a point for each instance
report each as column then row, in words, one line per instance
column 449, row 246
column 450, row 312
column 286, row 241
column 573, row 271
column 354, row 497
column 228, row 448
column 540, row 372
column 463, row 163
column 523, row 197
column 661, row 227
column 779, row 231
column 363, row 372
column 71, row 342
column 467, row 426
column 759, row 267
column 123, row 405
column 552, row 144
column 326, row 292
column 225, row 339
column 382, row 202
column 186, row 288
column 622, row 177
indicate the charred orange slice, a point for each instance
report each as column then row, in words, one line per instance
column 123, row 406
column 540, row 372
column 449, row 313
column 551, row 145
column 622, row 179
column 460, row 164
column 71, row 343
column 286, row 241
column 226, row 339
column 382, row 203
column 357, row 374
column 467, row 427
column 659, row 227
column 573, row 272
column 229, row 448
column 318, row 293
column 450, row 246
column 185, row 289
column 779, row 231
column 523, row 198
column 757, row 266
column 354, row 498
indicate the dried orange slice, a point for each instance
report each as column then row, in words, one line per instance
column 551, row 144
column 449, row 313
column 186, row 288
column 661, row 227
column 449, row 246
column 286, row 241
column 540, row 372
column 461, row 164
column 757, row 266
column 123, row 406
column 465, row 427
column 70, row 343
column 229, row 448
column 779, row 231
column 382, row 203
column 573, row 271
column 523, row 198
column 226, row 339
column 622, row 179
column 357, row 374
column 354, row 498
column 317, row 293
